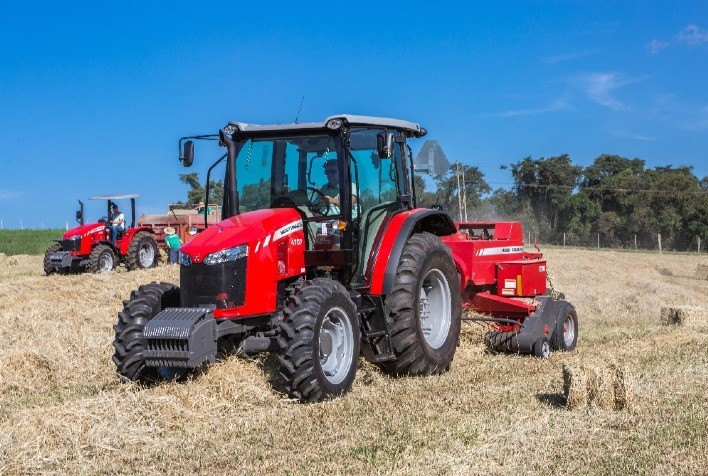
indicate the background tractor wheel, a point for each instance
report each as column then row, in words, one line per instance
column 320, row 337
column 143, row 252
column 423, row 310
column 565, row 332
column 102, row 259
column 144, row 304
column 48, row 268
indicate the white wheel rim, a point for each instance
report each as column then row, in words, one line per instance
column 568, row 331
column 146, row 255
column 336, row 345
column 545, row 349
column 105, row 262
column 435, row 308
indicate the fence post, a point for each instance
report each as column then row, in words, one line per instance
column 529, row 240
column 635, row 242
column 659, row 237
column 563, row 240
column 699, row 245
column 598, row 241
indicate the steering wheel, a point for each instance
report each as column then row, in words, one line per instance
column 322, row 206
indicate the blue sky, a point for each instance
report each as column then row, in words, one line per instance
column 94, row 95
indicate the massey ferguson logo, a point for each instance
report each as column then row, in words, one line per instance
column 288, row 230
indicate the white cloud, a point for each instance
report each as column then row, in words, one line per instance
column 568, row 57
column 599, row 87
column 559, row 105
column 630, row 135
column 693, row 35
column 8, row 195
column 655, row 46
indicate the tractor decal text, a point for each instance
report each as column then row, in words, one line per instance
column 288, row 229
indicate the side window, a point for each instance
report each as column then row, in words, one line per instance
column 253, row 168
column 377, row 176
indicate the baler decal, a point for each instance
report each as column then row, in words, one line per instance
column 499, row 251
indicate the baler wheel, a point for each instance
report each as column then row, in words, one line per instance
column 423, row 311
column 320, row 337
column 144, row 304
column 142, row 252
column 48, row 268
column 542, row 348
column 102, row 259
column 565, row 332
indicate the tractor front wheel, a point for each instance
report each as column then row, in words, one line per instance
column 102, row 259
column 142, row 252
column 144, row 304
column 320, row 338
column 48, row 268
column 423, row 311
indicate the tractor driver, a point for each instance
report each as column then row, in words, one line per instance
column 330, row 190
column 117, row 222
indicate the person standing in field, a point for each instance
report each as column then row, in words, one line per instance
column 173, row 244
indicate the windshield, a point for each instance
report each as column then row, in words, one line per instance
column 281, row 172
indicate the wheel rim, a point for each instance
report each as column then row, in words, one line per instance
column 568, row 331
column 435, row 308
column 336, row 345
column 146, row 255
column 105, row 262
column 545, row 348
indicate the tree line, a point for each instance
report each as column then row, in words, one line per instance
column 617, row 199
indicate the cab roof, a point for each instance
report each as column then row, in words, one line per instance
column 348, row 119
column 114, row 197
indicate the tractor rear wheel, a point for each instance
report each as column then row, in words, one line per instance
column 102, row 259
column 565, row 332
column 142, row 252
column 48, row 268
column 423, row 311
column 320, row 338
column 144, row 304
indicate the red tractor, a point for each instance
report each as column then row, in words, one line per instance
column 88, row 247
column 322, row 256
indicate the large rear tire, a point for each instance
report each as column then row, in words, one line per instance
column 320, row 337
column 48, row 268
column 423, row 311
column 144, row 304
column 102, row 259
column 142, row 252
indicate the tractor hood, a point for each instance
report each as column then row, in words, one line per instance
column 248, row 228
column 84, row 230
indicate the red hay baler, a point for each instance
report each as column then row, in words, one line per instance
column 323, row 256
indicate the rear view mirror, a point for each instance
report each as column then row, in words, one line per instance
column 79, row 216
column 187, row 156
column 384, row 144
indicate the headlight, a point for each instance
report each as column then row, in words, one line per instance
column 231, row 254
column 192, row 230
column 185, row 260
column 334, row 124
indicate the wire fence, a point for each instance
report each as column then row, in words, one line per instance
column 697, row 245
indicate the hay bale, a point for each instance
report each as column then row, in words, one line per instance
column 574, row 387
column 684, row 315
column 702, row 271
column 600, row 386
column 624, row 396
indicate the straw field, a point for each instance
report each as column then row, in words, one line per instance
column 63, row 410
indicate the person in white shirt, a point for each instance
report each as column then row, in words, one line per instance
column 330, row 190
column 117, row 223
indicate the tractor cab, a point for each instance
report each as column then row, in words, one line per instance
column 342, row 176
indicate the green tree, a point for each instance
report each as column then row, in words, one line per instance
column 197, row 193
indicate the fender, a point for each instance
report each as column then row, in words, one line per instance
column 393, row 237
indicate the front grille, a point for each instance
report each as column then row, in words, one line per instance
column 70, row 245
column 222, row 285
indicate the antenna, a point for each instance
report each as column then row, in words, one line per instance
column 299, row 109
